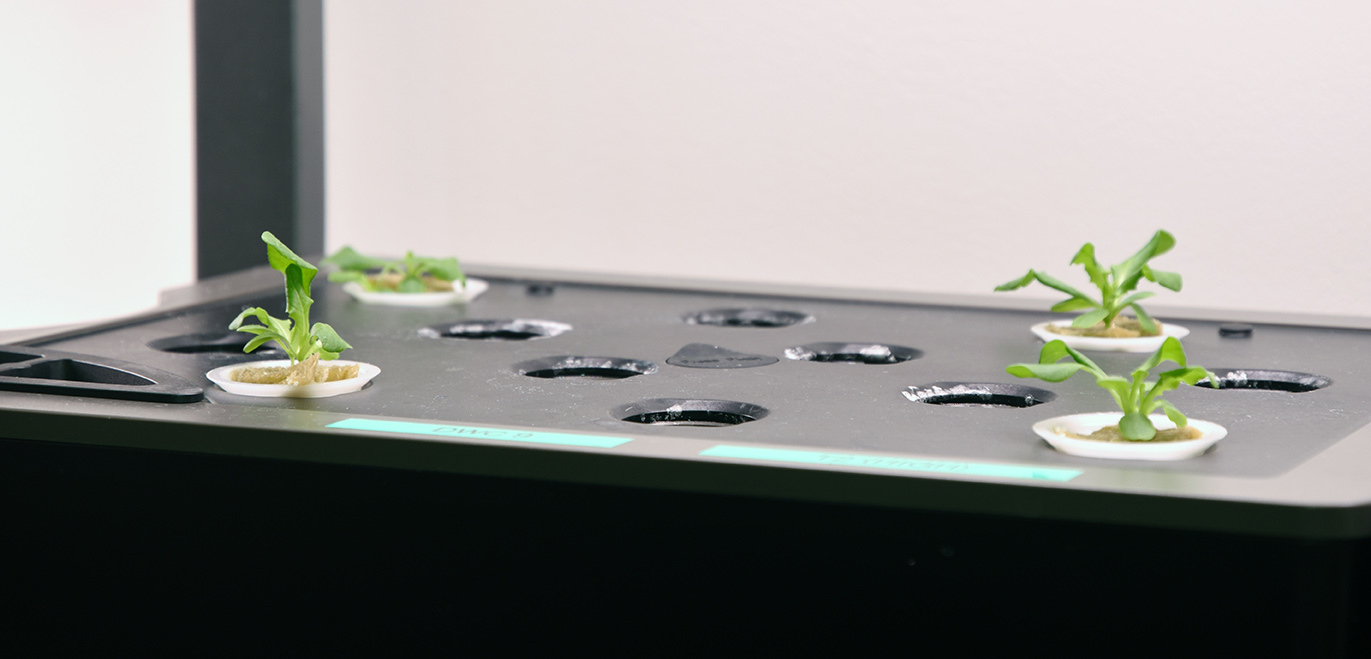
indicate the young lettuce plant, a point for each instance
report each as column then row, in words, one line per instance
column 1115, row 284
column 1136, row 396
column 296, row 336
column 406, row 275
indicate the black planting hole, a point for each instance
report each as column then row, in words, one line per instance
column 518, row 329
column 1235, row 331
column 1253, row 378
column 857, row 353
column 575, row 366
column 209, row 342
column 979, row 394
column 71, row 370
column 748, row 318
column 14, row 357
column 690, row 412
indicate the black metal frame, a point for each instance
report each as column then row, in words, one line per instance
column 259, row 114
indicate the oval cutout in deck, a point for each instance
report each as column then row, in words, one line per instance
column 856, row 353
column 1269, row 380
column 690, row 412
column 228, row 343
column 517, row 329
column 577, row 366
column 979, row 394
column 748, row 317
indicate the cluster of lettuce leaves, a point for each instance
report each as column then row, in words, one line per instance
column 1137, row 396
column 296, row 336
column 412, row 270
column 1115, row 284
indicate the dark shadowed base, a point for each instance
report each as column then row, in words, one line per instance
column 113, row 551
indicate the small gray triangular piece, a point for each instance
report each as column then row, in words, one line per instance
column 704, row 355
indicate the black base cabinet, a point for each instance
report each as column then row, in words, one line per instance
column 129, row 551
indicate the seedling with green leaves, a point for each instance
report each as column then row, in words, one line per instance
column 1136, row 396
column 296, row 336
column 1116, row 284
column 412, row 274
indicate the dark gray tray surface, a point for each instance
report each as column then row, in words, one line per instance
column 50, row 371
column 833, row 406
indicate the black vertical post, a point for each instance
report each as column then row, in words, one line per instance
column 309, row 124
column 259, row 114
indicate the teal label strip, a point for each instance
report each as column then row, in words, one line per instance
column 478, row 432
column 892, row 463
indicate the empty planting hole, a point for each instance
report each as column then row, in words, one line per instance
column 690, row 412
column 748, row 318
column 519, row 329
column 857, row 353
column 70, row 370
column 701, row 418
column 211, row 343
column 979, row 394
column 1251, row 378
column 599, row 368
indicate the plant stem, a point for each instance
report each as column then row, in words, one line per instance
column 1107, row 296
column 1135, row 394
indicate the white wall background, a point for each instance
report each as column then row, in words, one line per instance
column 886, row 144
column 96, row 157
column 932, row 146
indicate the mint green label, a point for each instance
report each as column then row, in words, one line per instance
column 891, row 462
column 478, row 432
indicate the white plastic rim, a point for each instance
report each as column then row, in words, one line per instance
column 1054, row 431
column 220, row 376
column 1104, row 344
column 474, row 288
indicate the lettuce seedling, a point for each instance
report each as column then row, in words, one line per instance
column 1115, row 284
column 406, row 275
column 296, row 336
column 1137, row 397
